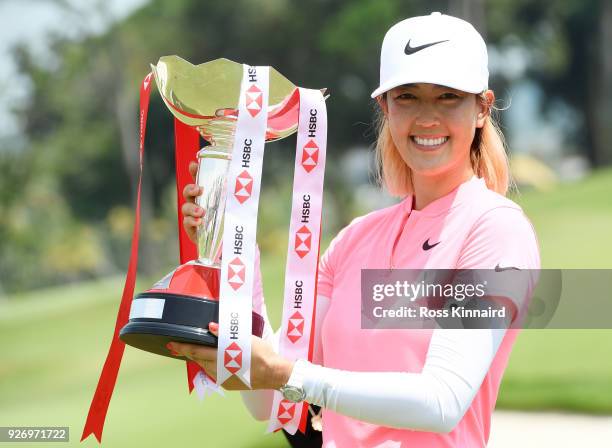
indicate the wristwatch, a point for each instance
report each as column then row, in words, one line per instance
column 294, row 389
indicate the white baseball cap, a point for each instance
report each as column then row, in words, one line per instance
column 435, row 49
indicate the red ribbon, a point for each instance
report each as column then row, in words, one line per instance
column 187, row 144
column 108, row 377
column 186, row 147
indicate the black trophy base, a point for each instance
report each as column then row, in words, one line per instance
column 167, row 318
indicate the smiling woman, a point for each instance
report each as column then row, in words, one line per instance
column 431, row 129
column 440, row 151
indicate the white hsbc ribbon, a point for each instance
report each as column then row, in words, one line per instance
column 303, row 248
column 205, row 385
column 240, row 228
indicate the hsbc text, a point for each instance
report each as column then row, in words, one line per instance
column 297, row 296
column 234, row 326
column 312, row 125
column 238, row 240
column 252, row 71
column 246, row 153
column 306, row 208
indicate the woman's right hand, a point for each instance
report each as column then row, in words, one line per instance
column 192, row 213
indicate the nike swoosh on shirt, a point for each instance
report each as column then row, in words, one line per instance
column 498, row 268
column 427, row 246
column 411, row 50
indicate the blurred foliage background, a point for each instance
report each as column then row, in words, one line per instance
column 68, row 171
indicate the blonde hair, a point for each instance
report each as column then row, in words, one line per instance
column 487, row 155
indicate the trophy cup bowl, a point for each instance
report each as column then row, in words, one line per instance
column 180, row 306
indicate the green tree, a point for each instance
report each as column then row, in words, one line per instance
column 81, row 119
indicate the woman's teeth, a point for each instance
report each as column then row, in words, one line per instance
column 429, row 141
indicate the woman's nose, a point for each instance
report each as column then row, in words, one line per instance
column 427, row 118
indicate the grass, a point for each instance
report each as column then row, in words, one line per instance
column 54, row 341
column 565, row 370
column 568, row 370
column 573, row 222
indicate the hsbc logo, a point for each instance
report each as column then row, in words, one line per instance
column 232, row 358
column 286, row 411
column 310, row 153
column 254, row 100
column 235, row 273
column 295, row 327
column 310, row 156
column 243, row 187
column 303, row 240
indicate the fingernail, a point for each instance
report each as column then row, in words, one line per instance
column 199, row 210
column 213, row 326
column 169, row 346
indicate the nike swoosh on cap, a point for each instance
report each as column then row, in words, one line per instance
column 411, row 50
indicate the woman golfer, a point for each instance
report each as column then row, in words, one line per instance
column 441, row 152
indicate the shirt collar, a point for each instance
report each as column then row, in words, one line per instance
column 441, row 205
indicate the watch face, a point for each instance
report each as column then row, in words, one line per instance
column 293, row 394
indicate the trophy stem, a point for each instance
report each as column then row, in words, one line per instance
column 213, row 164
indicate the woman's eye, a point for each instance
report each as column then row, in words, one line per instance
column 405, row 96
column 449, row 96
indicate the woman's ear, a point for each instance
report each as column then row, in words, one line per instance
column 484, row 107
column 382, row 102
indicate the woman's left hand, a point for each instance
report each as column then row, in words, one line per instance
column 268, row 369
